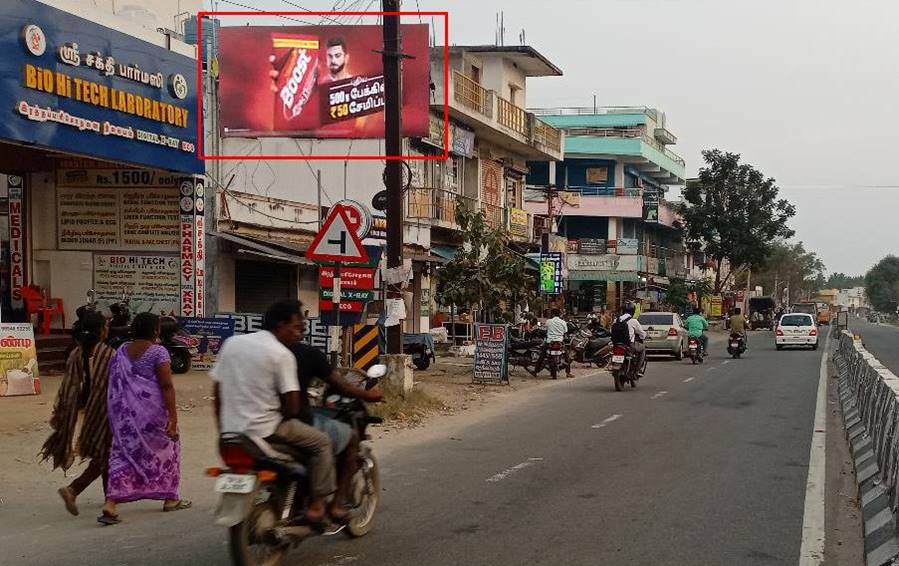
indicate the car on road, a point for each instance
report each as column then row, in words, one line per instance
column 665, row 333
column 796, row 329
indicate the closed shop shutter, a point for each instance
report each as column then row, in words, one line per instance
column 258, row 284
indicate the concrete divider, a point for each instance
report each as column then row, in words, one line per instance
column 869, row 394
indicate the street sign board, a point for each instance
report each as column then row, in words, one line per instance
column 490, row 361
column 359, row 216
column 337, row 240
column 350, row 277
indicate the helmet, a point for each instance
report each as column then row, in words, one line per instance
column 630, row 308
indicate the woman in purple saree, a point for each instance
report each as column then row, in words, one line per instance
column 145, row 460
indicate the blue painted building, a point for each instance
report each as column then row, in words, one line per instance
column 623, row 235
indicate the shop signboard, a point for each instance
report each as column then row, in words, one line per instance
column 518, row 222
column 245, row 323
column 591, row 246
column 150, row 281
column 16, row 191
column 102, row 218
column 208, row 335
column 19, row 373
column 551, row 273
column 715, row 306
column 598, row 175
column 490, row 363
column 628, row 246
column 186, row 237
column 77, row 86
column 329, row 81
column 463, row 142
column 200, row 247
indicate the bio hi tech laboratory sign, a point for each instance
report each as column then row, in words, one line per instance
column 77, row 86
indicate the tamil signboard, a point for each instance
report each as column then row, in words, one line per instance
column 518, row 223
column 316, row 334
column 151, row 281
column 208, row 335
column 551, row 273
column 77, row 86
column 591, row 246
column 318, row 81
column 18, row 361
column 628, row 246
column 490, row 362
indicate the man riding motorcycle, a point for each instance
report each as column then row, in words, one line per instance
column 739, row 325
column 556, row 328
column 635, row 335
column 696, row 327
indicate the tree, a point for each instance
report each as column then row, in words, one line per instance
column 882, row 284
column 733, row 213
column 789, row 266
column 484, row 274
column 843, row 281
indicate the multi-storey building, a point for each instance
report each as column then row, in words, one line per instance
column 609, row 200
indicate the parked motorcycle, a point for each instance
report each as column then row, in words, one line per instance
column 180, row 345
column 695, row 347
column 623, row 366
column 264, row 488
column 421, row 348
column 526, row 353
column 736, row 345
column 589, row 346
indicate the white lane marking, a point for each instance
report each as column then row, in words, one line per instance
column 712, row 369
column 811, row 552
column 516, row 468
column 611, row 419
column 689, row 379
column 659, row 394
column 725, row 362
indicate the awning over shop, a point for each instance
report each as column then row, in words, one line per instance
column 446, row 252
column 595, row 275
column 262, row 249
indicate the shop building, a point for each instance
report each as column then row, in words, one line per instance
column 609, row 202
column 100, row 186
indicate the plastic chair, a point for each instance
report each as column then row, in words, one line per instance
column 46, row 308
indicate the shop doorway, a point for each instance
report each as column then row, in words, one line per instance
column 258, row 284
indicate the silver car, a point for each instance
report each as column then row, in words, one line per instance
column 665, row 333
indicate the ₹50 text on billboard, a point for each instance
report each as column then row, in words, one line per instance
column 318, row 81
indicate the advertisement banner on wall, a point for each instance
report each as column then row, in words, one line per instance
column 18, row 361
column 208, row 336
column 77, row 86
column 16, row 190
column 200, row 247
column 318, row 81
column 551, row 273
column 151, row 282
column 245, row 323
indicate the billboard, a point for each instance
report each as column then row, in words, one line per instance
column 70, row 84
column 317, row 81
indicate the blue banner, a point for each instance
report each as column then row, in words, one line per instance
column 208, row 335
column 73, row 85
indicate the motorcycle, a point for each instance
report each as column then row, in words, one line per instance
column 556, row 358
column 736, row 345
column 264, row 492
column 181, row 346
column 589, row 347
column 696, row 353
column 623, row 366
column 525, row 354
column 421, row 348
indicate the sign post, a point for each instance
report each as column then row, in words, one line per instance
column 337, row 241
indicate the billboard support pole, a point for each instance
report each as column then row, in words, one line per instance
column 393, row 101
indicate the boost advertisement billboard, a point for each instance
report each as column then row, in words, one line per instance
column 317, row 81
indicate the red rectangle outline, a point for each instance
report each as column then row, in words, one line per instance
column 200, row 122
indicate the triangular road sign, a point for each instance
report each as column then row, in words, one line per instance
column 337, row 240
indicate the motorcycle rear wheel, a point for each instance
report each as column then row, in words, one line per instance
column 616, row 375
column 422, row 362
column 181, row 361
column 246, row 539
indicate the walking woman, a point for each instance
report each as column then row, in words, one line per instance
column 145, row 460
column 83, row 391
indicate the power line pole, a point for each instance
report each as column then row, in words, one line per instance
column 393, row 101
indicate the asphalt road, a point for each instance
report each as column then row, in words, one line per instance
column 702, row 464
column 882, row 340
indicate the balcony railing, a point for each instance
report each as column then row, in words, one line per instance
column 472, row 95
column 547, row 135
column 594, row 191
column 511, row 116
column 435, row 204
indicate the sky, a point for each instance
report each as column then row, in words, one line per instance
column 805, row 90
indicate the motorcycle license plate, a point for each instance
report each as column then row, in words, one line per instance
column 235, row 483
column 555, row 352
column 617, row 359
column 692, row 346
column 734, row 344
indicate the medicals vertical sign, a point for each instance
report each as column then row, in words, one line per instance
column 318, row 81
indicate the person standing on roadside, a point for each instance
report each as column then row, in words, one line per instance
column 82, row 392
column 145, row 460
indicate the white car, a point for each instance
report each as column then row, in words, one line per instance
column 796, row 329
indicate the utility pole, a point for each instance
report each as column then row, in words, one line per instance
column 393, row 101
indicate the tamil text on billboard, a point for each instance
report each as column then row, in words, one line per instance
column 318, row 81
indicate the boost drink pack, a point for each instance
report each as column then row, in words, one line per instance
column 296, row 61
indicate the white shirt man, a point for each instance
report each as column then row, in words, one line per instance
column 634, row 328
column 252, row 371
column 556, row 328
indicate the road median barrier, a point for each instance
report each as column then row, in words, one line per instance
column 869, row 394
